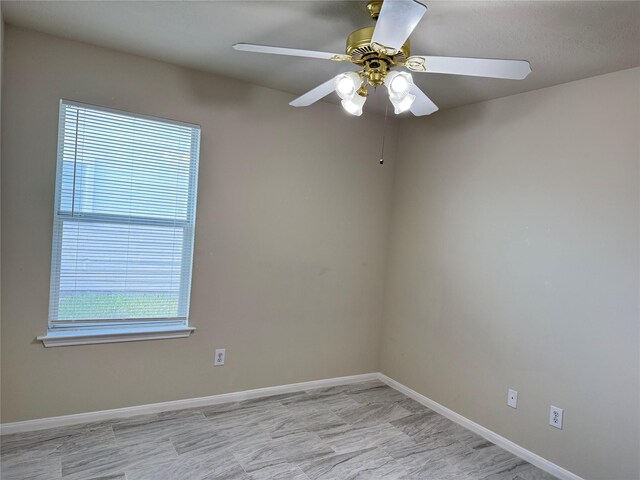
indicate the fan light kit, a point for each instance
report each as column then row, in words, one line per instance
column 380, row 49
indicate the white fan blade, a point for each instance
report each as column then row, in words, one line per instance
column 312, row 96
column 477, row 67
column 422, row 105
column 397, row 20
column 294, row 52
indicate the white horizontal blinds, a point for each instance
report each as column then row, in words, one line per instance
column 124, row 217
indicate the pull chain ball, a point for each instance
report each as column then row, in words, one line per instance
column 384, row 132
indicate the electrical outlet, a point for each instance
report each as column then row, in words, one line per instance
column 555, row 417
column 219, row 360
column 512, row 398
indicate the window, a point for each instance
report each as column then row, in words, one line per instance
column 123, row 227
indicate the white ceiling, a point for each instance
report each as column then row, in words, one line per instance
column 563, row 40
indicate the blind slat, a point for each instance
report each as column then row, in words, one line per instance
column 124, row 218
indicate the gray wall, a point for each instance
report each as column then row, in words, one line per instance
column 514, row 263
column 290, row 239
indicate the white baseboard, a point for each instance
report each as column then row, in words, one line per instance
column 52, row 422
column 499, row 440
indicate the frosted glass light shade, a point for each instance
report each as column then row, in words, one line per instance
column 347, row 84
column 354, row 105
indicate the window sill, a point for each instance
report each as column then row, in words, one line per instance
column 112, row 335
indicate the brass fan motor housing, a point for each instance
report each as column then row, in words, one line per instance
column 376, row 64
column 359, row 44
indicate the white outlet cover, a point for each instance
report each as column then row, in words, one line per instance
column 512, row 398
column 219, row 358
column 555, row 417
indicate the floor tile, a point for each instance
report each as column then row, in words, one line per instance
column 314, row 401
column 413, row 406
column 365, row 430
column 372, row 414
column 335, row 390
column 42, row 441
column 114, row 460
column 346, row 466
column 438, row 469
column 202, row 437
column 245, row 415
column 280, row 471
column 190, row 466
column 234, row 474
column 376, row 394
column 350, row 439
column 30, row 466
column 483, row 462
column 368, row 385
column 423, row 426
column 154, row 427
column 297, row 421
column 289, row 449
column 465, row 436
column 436, row 448
column 121, row 476
column 519, row 471
column 94, row 438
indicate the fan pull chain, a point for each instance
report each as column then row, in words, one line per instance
column 384, row 131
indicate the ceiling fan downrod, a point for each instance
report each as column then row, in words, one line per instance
column 374, row 7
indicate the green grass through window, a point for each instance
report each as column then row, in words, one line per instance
column 98, row 306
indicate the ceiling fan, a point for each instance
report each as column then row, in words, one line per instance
column 378, row 50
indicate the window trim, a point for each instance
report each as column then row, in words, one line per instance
column 67, row 337
column 63, row 333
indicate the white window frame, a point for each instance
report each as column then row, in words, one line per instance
column 64, row 333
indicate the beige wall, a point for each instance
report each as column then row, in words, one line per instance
column 1, row 52
column 290, row 238
column 513, row 259
column 1, row 55
column 514, row 263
